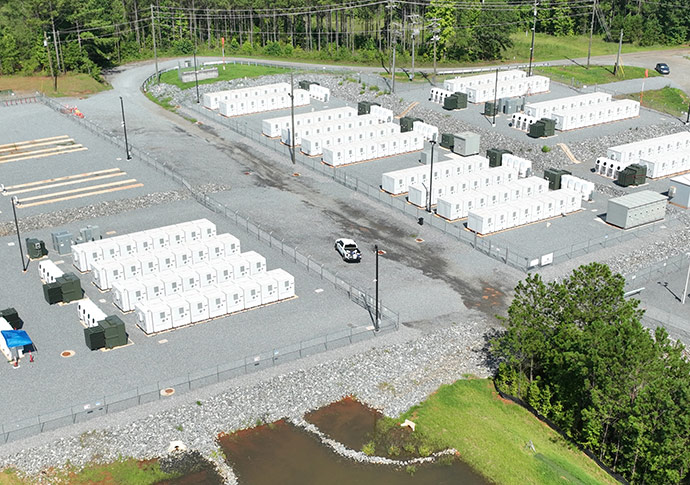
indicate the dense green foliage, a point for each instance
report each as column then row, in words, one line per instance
column 89, row 35
column 576, row 351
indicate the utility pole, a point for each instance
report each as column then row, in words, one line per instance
column 534, row 30
column 196, row 77
column 292, row 116
column 155, row 51
column 685, row 291
column 618, row 57
column 431, row 173
column 15, row 202
column 591, row 33
column 493, row 123
column 376, row 318
column 435, row 38
column 414, row 20
column 687, row 120
column 124, row 127
column 394, row 36
column 53, row 74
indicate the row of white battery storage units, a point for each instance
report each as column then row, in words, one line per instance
column 105, row 273
column 214, row 301
column 272, row 127
column 397, row 182
column 142, row 242
column 213, row 100
column 509, row 89
column 418, row 193
column 260, row 104
column 525, row 211
column 458, row 204
column 462, row 84
column 663, row 155
column 359, row 151
column 327, row 128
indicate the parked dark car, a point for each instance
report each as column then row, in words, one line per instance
column 662, row 68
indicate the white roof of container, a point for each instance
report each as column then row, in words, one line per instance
column 638, row 199
column 682, row 179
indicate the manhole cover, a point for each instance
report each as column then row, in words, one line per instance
column 296, row 174
column 381, row 252
column 67, row 353
column 419, row 240
column 247, row 173
column 168, row 391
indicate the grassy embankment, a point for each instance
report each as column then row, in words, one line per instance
column 492, row 436
column 231, row 71
column 127, row 471
column 667, row 100
column 593, row 75
column 70, row 85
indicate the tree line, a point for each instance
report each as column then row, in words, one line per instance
column 577, row 352
column 88, row 35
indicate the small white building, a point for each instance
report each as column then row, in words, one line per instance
column 680, row 188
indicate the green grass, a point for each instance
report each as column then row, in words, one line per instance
column 667, row 100
column 491, row 436
column 70, row 84
column 593, row 75
column 125, row 472
column 231, row 71
column 549, row 48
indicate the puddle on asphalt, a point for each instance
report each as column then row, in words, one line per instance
column 282, row 453
column 347, row 421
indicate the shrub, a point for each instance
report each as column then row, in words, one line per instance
column 369, row 449
column 546, row 149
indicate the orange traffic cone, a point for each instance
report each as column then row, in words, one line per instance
column 31, row 357
column 16, row 362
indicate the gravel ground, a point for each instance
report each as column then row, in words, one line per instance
column 391, row 377
column 66, row 216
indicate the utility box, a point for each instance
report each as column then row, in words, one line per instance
column 425, row 156
column 680, row 190
column 495, row 156
column 52, row 293
column 407, row 123
column 490, row 108
column 447, row 140
column 70, row 287
column 553, row 175
column 62, row 241
column 12, row 317
column 89, row 233
column 466, row 143
column 510, row 106
column 636, row 209
column 364, row 107
column 114, row 331
column 95, row 337
column 549, row 126
column 537, row 130
column 305, row 85
column 640, row 173
column 626, row 177
column 455, row 101
column 35, row 248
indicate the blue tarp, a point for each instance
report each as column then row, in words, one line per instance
column 16, row 338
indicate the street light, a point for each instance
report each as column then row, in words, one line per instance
column 431, row 173
column 685, row 291
column 15, row 203
column 124, row 127
column 376, row 317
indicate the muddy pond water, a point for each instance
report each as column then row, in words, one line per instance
column 281, row 453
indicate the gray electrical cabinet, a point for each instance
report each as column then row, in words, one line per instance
column 466, row 143
column 62, row 241
column 89, row 233
column 636, row 209
column 681, row 190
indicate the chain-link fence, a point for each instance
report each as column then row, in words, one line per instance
column 189, row 382
column 387, row 320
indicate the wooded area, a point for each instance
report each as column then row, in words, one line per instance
column 88, row 35
column 577, row 352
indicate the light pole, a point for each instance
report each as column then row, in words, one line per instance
column 431, row 173
column 292, row 116
column 124, row 127
column 376, row 317
column 685, row 291
column 15, row 202
column 196, row 77
column 531, row 49
column 687, row 120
